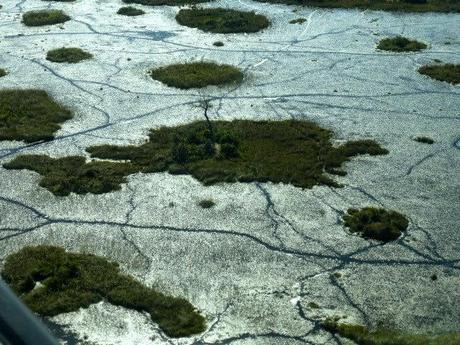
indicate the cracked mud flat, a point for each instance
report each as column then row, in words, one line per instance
column 253, row 262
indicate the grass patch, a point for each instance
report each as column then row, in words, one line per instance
column 400, row 44
column 448, row 72
column 70, row 281
column 363, row 336
column 165, row 2
column 206, row 203
column 30, row 115
column 220, row 20
column 197, row 75
column 385, row 5
column 70, row 55
column 3, row 72
column 376, row 223
column 294, row 152
column 298, row 21
column 424, row 140
column 44, row 17
column 130, row 11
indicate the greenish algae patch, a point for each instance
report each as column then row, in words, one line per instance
column 363, row 336
column 400, row 44
column 44, row 17
column 448, row 72
column 376, row 223
column 292, row 152
column 30, row 115
column 197, row 75
column 70, row 281
column 69, row 55
column 221, row 20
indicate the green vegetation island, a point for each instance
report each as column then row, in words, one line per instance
column 44, row 17
column 294, row 152
column 385, row 5
column 449, row 73
column 400, row 44
column 52, row 281
column 221, row 20
column 130, row 11
column 69, row 55
column 30, row 115
column 165, row 2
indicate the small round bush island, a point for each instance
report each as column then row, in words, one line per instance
column 197, row 75
column 447, row 72
column 424, row 140
column 165, row 2
column 44, row 17
column 400, row 44
column 70, row 55
column 70, row 281
column 3, row 72
column 221, row 20
column 30, row 115
column 376, row 223
column 130, row 11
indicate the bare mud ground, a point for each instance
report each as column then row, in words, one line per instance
column 254, row 262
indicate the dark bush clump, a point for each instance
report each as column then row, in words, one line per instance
column 44, row 17
column 448, row 72
column 424, row 140
column 29, row 115
column 376, row 223
column 294, row 152
column 207, row 203
column 218, row 44
column 361, row 335
column 400, row 44
column 298, row 21
column 197, row 75
column 165, row 2
column 3, row 72
column 220, row 20
column 130, row 11
column 70, row 281
column 70, row 55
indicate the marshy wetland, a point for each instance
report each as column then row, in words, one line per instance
column 232, row 172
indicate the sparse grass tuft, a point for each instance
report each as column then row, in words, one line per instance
column 376, row 223
column 294, row 152
column 70, row 55
column 44, row 17
column 400, row 44
column 220, row 20
column 70, row 281
column 424, row 140
column 385, row 5
column 206, row 203
column 130, row 11
column 29, row 115
column 298, row 21
column 197, row 75
column 3, row 72
column 448, row 72
column 363, row 336
column 165, row 2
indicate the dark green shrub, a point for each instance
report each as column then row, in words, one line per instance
column 294, row 152
column 218, row 44
column 220, row 20
column 165, row 2
column 3, row 72
column 70, row 55
column 298, row 21
column 448, row 72
column 206, row 203
column 130, row 11
column 424, row 140
column 363, row 336
column 197, row 75
column 376, row 223
column 72, row 281
column 30, row 115
column 44, row 17
column 386, row 5
column 400, row 44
